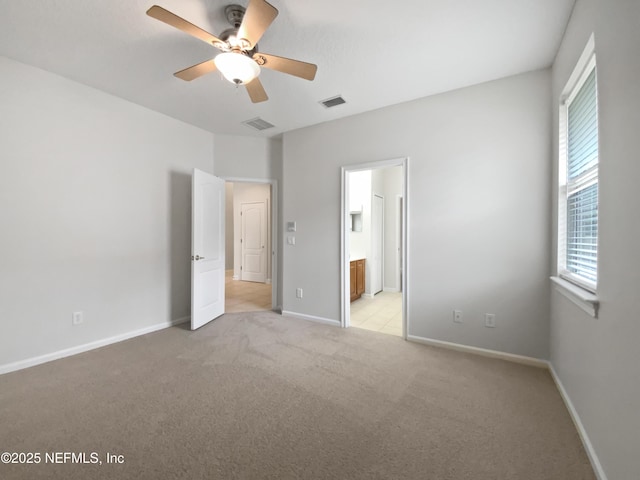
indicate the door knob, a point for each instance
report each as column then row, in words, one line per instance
column 197, row 257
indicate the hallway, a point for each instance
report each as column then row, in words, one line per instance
column 246, row 296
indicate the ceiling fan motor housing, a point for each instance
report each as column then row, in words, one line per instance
column 232, row 42
column 234, row 14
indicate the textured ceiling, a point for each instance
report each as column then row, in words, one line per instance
column 374, row 53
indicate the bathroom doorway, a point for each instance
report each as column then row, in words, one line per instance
column 373, row 253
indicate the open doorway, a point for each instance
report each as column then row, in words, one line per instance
column 373, row 256
column 249, row 253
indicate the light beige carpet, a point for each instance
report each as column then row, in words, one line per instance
column 260, row 396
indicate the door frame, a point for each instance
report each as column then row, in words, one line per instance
column 275, row 273
column 345, row 309
column 381, row 239
column 399, row 205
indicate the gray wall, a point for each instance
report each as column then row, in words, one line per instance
column 247, row 157
column 228, row 226
column 597, row 359
column 96, row 213
column 479, row 163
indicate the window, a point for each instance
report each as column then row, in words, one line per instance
column 578, row 176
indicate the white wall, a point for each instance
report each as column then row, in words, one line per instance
column 360, row 201
column 247, row 193
column 96, row 208
column 479, row 163
column 597, row 359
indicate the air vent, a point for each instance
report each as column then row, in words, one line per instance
column 258, row 124
column 333, row 101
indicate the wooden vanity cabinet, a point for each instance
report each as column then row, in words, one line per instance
column 356, row 269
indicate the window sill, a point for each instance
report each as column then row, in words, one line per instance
column 584, row 299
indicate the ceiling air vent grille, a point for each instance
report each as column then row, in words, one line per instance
column 333, row 101
column 258, row 124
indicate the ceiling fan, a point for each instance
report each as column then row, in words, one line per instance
column 240, row 60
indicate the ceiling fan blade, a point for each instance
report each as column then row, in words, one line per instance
column 172, row 19
column 196, row 71
column 256, row 20
column 256, row 91
column 287, row 65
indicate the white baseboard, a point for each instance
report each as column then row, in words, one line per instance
column 391, row 290
column 591, row 453
column 511, row 357
column 30, row 362
column 268, row 281
column 303, row 316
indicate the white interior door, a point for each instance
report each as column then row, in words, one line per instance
column 207, row 248
column 377, row 243
column 253, row 239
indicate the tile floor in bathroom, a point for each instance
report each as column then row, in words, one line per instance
column 382, row 313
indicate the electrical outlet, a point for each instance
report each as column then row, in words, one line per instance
column 298, row 293
column 77, row 318
column 457, row 316
column 490, row 320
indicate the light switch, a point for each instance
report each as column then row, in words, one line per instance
column 291, row 226
column 291, row 240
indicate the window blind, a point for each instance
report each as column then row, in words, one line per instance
column 582, row 182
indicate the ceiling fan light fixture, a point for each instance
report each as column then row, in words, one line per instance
column 237, row 67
